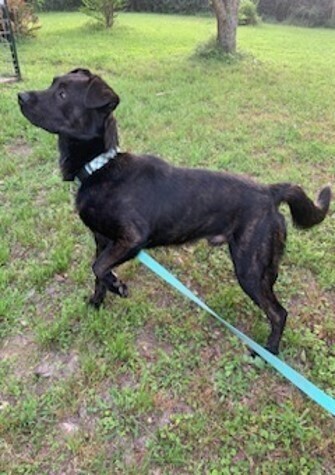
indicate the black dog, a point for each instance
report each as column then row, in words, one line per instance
column 131, row 202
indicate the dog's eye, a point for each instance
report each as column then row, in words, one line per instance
column 62, row 94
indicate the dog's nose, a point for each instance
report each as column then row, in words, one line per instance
column 23, row 97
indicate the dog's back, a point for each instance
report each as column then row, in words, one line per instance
column 174, row 205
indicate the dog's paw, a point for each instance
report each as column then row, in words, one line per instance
column 114, row 285
column 254, row 353
column 273, row 349
column 94, row 302
column 120, row 289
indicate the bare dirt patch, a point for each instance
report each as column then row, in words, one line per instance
column 148, row 345
column 19, row 147
column 20, row 351
column 57, row 365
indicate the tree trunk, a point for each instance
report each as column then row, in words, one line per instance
column 109, row 14
column 332, row 17
column 226, row 12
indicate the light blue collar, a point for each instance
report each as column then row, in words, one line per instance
column 96, row 164
column 101, row 160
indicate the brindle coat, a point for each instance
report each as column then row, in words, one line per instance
column 140, row 201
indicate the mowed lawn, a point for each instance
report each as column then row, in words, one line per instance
column 151, row 384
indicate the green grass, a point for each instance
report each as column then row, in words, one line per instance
column 150, row 384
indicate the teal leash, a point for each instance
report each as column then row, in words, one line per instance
column 312, row 391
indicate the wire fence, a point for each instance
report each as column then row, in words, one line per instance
column 9, row 64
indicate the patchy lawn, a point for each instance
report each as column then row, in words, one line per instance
column 150, row 384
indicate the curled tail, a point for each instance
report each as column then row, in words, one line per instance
column 305, row 213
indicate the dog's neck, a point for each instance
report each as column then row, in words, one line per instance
column 75, row 153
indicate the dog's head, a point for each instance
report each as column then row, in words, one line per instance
column 76, row 105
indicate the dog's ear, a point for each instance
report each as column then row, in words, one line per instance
column 111, row 138
column 99, row 94
column 86, row 72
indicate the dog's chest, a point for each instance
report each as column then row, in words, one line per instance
column 98, row 209
column 93, row 207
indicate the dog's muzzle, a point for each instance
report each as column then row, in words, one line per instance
column 27, row 99
column 23, row 97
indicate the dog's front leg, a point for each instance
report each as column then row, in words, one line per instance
column 116, row 286
column 114, row 254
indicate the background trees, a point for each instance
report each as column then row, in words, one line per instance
column 24, row 19
column 104, row 11
column 306, row 12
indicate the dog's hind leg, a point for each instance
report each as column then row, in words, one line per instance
column 116, row 286
column 256, row 267
column 277, row 315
